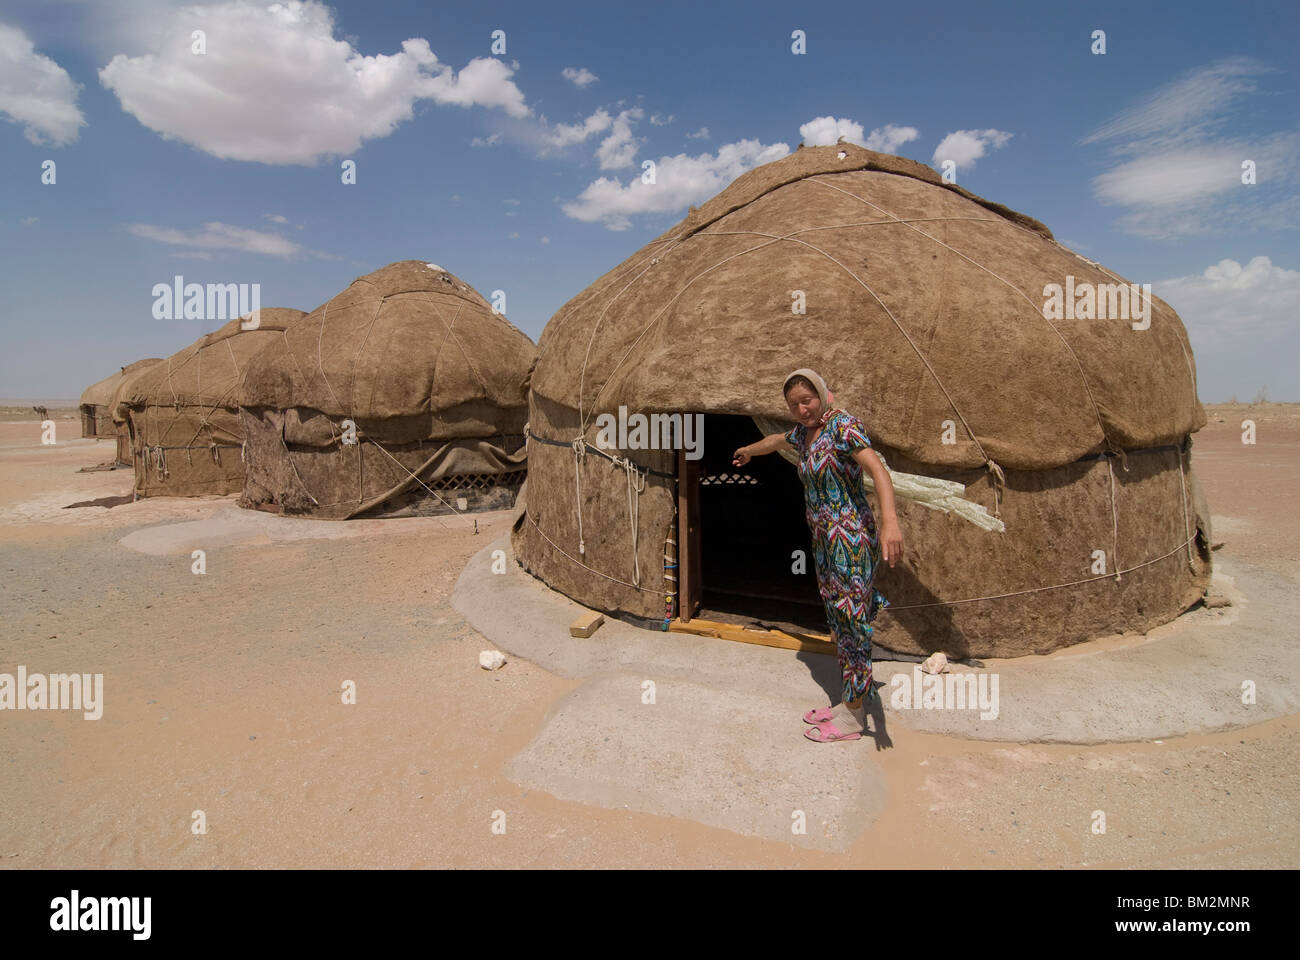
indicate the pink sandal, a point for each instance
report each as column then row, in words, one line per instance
column 818, row 715
column 829, row 733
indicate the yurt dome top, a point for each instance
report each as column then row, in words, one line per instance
column 209, row 369
column 410, row 338
column 922, row 304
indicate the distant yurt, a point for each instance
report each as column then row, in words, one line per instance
column 927, row 311
column 97, row 402
column 182, row 414
column 403, row 395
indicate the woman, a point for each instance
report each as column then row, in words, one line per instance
column 833, row 451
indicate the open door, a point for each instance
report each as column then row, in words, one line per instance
column 741, row 534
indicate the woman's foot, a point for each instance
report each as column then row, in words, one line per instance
column 849, row 719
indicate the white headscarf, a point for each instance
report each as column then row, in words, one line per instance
column 818, row 384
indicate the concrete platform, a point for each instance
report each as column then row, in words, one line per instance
column 722, row 742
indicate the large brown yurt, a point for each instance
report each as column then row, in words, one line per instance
column 97, row 401
column 404, row 394
column 183, row 415
column 924, row 308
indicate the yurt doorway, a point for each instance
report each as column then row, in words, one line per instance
column 738, row 533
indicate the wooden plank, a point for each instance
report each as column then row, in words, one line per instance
column 586, row 625
column 807, row 642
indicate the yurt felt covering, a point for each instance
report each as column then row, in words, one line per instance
column 414, row 367
column 924, row 312
column 184, row 419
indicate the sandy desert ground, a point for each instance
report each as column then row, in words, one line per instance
column 223, row 695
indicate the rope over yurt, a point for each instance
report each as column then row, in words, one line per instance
column 403, row 394
column 923, row 307
column 182, row 412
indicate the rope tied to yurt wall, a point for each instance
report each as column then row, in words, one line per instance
column 636, row 484
column 579, row 447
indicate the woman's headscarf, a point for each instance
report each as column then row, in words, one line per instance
column 818, row 384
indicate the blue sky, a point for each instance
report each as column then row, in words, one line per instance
column 517, row 171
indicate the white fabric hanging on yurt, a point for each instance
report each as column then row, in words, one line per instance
column 943, row 495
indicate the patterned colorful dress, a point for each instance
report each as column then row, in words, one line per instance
column 845, row 542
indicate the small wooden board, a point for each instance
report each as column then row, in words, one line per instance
column 586, row 625
column 807, row 642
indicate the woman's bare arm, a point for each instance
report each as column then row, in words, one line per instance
column 891, row 536
column 769, row 444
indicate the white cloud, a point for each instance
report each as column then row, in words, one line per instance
column 28, row 221
column 679, row 182
column 579, row 77
column 36, row 92
column 964, row 147
column 490, row 141
column 1179, row 178
column 220, row 236
column 1171, row 177
column 889, row 138
column 276, row 86
column 1228, row 302
column 276, row 217
column 659, row 120
column 619, row 149
column 567, row 134
column 513, row 235
column 825, row 131
column 1187, row 106
column 700, row 134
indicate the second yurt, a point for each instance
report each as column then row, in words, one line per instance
column 404, row 394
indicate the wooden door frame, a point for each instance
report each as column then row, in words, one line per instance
column 689, row 569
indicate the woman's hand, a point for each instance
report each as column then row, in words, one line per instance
column 891, row 540
column 741, row 457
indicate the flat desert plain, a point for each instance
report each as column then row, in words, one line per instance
column 222, row 695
